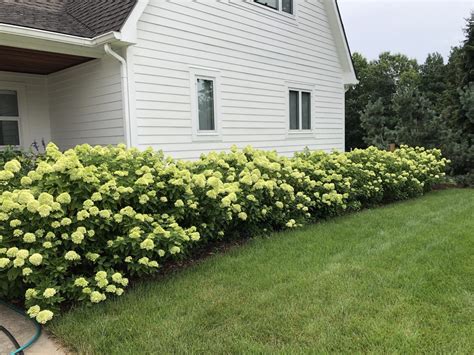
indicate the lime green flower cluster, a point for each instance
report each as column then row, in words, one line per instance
column 77, row 224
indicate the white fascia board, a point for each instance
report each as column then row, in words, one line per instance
column 337, row 27
column 30, row 38
column 349, row 78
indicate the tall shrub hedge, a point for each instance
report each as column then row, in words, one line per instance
column 79, row 223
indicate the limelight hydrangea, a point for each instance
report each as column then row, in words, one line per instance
column 44, row 210
column 111, row 289
column 97, row 297
column 30, row 293
column 44, row 316
column 18, row 262
column 29, row 238
column 11, row 252
column 64, row 198
column 72, row 256
column 101, row 275
column 36, row 259
column 124, row 209
column 13, row 166
column 26, row 181
column 15, row 223
column 92, row 256
column 175, row 249
column 105, row 214
column 117, row 277
column 33, row 311
column 4, row 262
column 81, row 282
column 147, row 244
column 242, row 216
column 143, row 261
column 77, row 237
column 66, row 221
column 49, row 292
column 179, row 203
column 6, row 175
column 22, row 254
column 102, row 283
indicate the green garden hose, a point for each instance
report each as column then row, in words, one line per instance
column 20, row 349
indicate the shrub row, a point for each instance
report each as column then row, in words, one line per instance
column 79, row 223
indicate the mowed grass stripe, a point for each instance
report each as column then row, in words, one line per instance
column 393, row 279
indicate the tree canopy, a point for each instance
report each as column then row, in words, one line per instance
column 431, row 104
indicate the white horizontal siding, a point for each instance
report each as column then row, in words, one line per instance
column 256, row 51
column 35, row 124
column 86, row 104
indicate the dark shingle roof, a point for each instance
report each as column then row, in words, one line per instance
column 82, row 18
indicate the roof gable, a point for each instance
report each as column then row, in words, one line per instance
column 82, row 18
column 342, row 45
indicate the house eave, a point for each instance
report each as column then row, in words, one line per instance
column 349, row 79
column 342, row 45
column 31, row 38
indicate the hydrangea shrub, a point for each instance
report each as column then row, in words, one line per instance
column 79, row 223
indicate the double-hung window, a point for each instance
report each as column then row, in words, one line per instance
column 9, row 118
column 299, row 110
column 279, row 5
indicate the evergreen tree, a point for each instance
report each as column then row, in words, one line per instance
column 416, row 123
column 433, row 79
column 378, row 79
column 458, row 136
column 432, row 105
column 357, row 97
column 468, row 49
column 378, row 125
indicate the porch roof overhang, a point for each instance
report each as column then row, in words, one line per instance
column 36, row 51
column 31, row 61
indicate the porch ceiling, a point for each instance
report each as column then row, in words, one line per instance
column 36, row 62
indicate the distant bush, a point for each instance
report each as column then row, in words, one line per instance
column 77, row 224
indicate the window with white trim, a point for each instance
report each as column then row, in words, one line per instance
column 279, row 5
column 299, row 110
column 206, row 104
column 9, row 118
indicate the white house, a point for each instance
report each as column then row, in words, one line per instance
column 182, row 76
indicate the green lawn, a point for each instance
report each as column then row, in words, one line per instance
column 394, row 279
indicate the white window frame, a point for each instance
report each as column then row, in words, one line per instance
column 21, row 119
column 300, row 87
column 215, row 76
column 280, row 7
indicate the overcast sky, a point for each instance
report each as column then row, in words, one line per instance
column 412, row 27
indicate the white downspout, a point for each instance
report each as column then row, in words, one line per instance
column 125, row 92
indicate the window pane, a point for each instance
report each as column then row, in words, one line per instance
column 9, row 134
column 306, row 110
column 8, row 103
column 270, row 3
column 294, row 110
column 287, row 6
column 206, row 104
